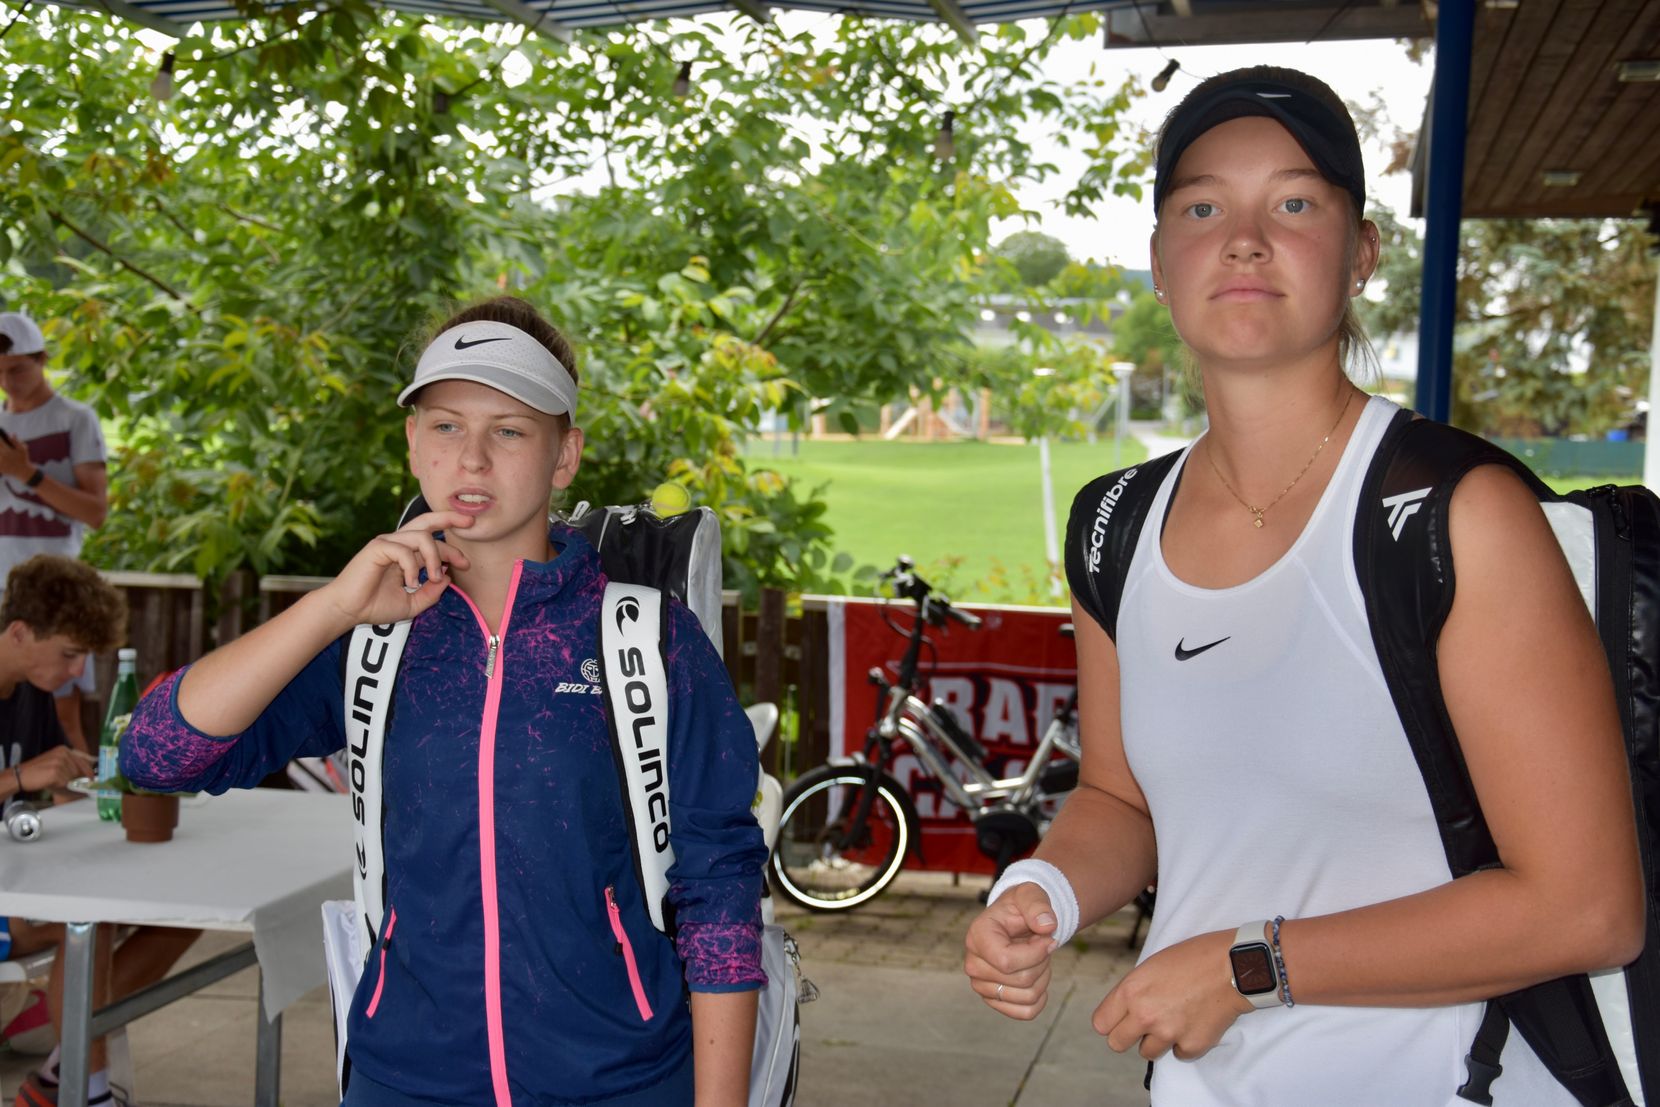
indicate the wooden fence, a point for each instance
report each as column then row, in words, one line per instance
column 777, row 653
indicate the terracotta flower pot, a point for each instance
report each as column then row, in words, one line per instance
column 149, row 818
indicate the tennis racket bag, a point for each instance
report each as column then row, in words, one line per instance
column 1598, row 1034
column 678, row 553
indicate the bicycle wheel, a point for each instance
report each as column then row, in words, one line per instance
column 822, row 863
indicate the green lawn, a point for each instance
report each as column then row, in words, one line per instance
column 969, row 513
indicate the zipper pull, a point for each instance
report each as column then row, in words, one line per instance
column 490, row 660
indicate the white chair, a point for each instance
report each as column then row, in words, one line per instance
column 34, row 966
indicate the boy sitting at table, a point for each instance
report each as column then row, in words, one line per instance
column 54, row 613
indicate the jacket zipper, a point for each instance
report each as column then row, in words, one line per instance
column 494, row 667
column 380, row 981
column 627, row 948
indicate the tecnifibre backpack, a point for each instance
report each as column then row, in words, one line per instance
column 644, row 556
column 1599, row 1035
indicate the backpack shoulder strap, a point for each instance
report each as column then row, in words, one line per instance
column 1101, row 533
column 1403, row 559
column 369, row 677
column 371, row 660
column 632, row 626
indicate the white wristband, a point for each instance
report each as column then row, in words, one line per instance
column 1054, row 884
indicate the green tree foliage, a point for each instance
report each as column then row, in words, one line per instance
column 1144, row 336
column 236, row 277
column 1037, row 258
column 1554, row 318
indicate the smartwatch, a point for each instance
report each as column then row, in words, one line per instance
column 1252, row 960
column 39, row 475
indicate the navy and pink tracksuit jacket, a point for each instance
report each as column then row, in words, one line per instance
column 517, row 964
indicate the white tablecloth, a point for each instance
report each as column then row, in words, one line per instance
column 260, row 861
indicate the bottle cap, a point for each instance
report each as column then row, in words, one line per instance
column 126, row 654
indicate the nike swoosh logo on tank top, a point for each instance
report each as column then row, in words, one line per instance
column 1183, row 654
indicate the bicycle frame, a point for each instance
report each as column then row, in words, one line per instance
column 907, row 717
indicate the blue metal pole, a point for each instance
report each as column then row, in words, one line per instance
column 1443, row 205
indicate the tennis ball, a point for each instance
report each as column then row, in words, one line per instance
column 669, row 499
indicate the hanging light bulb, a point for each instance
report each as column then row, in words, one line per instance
column 1162, row 81
column 683, row 81
column 440, row 102
column 945, row 141
column 162, row 87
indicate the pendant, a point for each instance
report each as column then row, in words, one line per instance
column 1257, row 522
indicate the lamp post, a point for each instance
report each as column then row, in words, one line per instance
column 1051, row 543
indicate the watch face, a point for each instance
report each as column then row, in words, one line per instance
column 1253, row 969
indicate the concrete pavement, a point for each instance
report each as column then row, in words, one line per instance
column 895, row 1022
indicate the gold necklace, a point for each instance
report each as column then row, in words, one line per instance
column 1258, row 512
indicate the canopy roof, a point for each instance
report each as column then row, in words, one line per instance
column 1548, row 104
column 1131, row 22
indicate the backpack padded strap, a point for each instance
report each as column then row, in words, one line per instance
column 1403, row 558
column 1101, row 534
column 631, row 636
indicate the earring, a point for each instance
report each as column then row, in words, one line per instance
column 1158, row 293
column 1360, row 286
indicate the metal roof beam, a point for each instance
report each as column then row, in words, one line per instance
column 1138, row 27
column 138, row 15
column 759, row 12
column 537, row 21
column 956, row 18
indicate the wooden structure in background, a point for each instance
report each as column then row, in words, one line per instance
column 773, row 654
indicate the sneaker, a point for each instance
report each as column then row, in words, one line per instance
column 34, row 1093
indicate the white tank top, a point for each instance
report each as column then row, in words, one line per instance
column 1258, row 724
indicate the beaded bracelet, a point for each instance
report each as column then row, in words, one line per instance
column 1279, row 963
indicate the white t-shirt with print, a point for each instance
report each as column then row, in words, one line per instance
column 61, row 434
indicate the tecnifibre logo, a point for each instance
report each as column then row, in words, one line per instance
column 1403, row 507
column 627, row 608
column 1103, row 516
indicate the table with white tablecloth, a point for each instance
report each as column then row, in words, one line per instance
column 259, row 862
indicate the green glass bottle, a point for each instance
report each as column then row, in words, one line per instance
column 122, row 701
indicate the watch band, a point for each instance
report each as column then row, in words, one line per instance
column 34, row 481
column 1251, row 941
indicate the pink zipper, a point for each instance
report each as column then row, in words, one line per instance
column 495, row 665
column 621, row 935
column 380, row 981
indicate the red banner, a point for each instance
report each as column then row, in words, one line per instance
column 1004, row 682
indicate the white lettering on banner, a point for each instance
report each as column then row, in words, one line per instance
column 1050, row 699
column 1001, row 710
column 1005, row 714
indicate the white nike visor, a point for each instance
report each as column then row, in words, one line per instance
column 499, row 355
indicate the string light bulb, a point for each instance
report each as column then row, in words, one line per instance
column 440, row 102
column 945, row 140
column 683, row 81
column 162, row 87
column 1162, row 81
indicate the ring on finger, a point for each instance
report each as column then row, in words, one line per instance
column 1000, row 992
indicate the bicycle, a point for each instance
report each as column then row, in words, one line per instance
column 848, row 826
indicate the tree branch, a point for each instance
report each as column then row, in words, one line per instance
column 783, row 310
column 58, row 217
